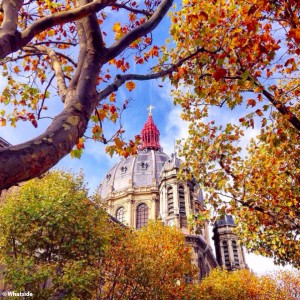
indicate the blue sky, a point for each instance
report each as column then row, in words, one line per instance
column 95, row 163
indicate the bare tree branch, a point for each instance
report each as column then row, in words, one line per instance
column 121, row 79
column 63, row 17
column 11, row 40
column 281, row 107
column 44, row 97
column 134, row 10
column 141, row 30
column 59, row 74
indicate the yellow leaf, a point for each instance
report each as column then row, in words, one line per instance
column 51, row 32
column 117, row 27
column 119, row 143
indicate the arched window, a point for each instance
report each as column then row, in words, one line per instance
column 181, row 201
column 170, row 201
column 120, row 214
column 235, row 253
column 226, row 254
column 141, row 215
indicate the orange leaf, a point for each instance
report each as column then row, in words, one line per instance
column 119, row 143
column 16, row 69
column 259, row 112
column 251, row 102
column 96, row 129
column 154, row 51
column 130, row 85
column 80, row 144
column 132, row 17
column 112, row 109
column 112, row 97
column 259, row 97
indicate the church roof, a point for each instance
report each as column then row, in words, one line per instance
column 173, row 163
column 226, row 220
column 4, row 143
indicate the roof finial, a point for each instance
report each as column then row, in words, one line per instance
column 150, row 109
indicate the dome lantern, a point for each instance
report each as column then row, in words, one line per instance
column 150, row 133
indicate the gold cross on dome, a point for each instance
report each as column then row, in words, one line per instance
column 150, row 109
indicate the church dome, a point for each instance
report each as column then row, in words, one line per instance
column 139, row 171
column 142, row 170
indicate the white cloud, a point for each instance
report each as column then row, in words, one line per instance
column 263, row 265
column 175, row 129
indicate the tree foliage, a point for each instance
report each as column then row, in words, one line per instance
column 243, row 284
column 52, row 237
column 243, row 78
column 56, row 243
column 151, row 263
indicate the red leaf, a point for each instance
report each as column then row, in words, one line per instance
column 219, row 73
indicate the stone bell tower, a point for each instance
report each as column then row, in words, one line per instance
column 176, row 197
column 229, row 252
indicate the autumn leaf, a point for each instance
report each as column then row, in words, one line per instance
column 16, row 69
column 51, row 32
column 251, row 102
column 130, row 85
column 259, row 112
column 203, row 16
column 295, row 34
column 117, row 27
column 119, row 143
column 132, row 17
column 97, row 129
column 112, row 97
column 154, row 51
column 80, row 144
column 219, row 73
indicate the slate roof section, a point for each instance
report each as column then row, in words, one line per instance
column 4, row 143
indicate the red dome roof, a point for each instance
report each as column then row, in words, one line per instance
column 150, row 135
